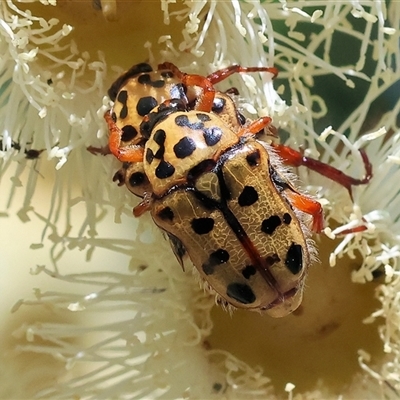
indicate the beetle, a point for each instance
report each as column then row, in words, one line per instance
column 140, row 89
column 224, row 197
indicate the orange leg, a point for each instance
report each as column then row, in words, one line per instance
column 308, row 206
column 224, row 73
column 296, row 159
column 132, row 153
column 205, row 102
column 144, row 205
column 356, row 229
column 255, row 127
column 232, row 91
column 206, row 83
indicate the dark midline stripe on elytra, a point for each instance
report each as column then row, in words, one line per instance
column 216, row 167
column 236, row 227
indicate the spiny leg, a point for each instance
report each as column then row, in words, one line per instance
column 296, row 159
column 132, row 153
column 232, row 91
column 360, row 228
column 224, row 73
column 105, row 150
column 255, row 126
column 206, row 99
column 308, row 206
column 144, row 205
column 206, row 83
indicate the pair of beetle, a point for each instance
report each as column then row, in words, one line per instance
column 215, row 186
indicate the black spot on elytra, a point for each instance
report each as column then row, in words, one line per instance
column 159, row 154
column 218, row 105
column 149, row 156
column 241, row 293
column 145, row 79
column 114, row 116
column 164, row 110
column 253, row 159
column 248, row 271
column 185, row 147
column 137, row 178
column 272, row 259
column 287, row 219
column 164, row 170
column 132, row 72
column 294, row 258
column 159, row 137
column 166, row 214
column 145, row 105
column 203, row 117
column 202, row 226
column 216, row 258
column 212, row 135
column 248, row 196
column 269, row 225
column 183, row 120
column 122, row 98
column 129, row 132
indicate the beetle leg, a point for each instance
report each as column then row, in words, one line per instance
column 232, row 91
column 133, row 153
column 300, row 201
column 144, row 205
column 119, row 176
column 105, row 150
column 206, row 98
column 296, row 159
column 308, row 206
column 255, row 127
column 356, row 229
column 224, row 73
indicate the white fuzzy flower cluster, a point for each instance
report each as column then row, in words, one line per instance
column 145, row 333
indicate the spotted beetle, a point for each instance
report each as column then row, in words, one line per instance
column 220, row 193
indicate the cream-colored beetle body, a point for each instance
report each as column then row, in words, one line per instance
column 221, row 199
column 213, row 185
